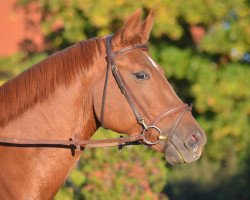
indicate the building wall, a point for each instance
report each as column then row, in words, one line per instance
column 14, row 28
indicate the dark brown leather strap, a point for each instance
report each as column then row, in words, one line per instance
column 83, row 143
column 138, row 104
column 104, row 94
column 177, row 122
column 125, row 92
column 167, row 113
column 111, row 65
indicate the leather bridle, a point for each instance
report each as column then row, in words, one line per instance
column 133, row 102
column 134, row 105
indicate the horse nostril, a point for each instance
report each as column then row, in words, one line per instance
column 193, row 138
column 192, row 142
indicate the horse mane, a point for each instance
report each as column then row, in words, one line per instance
column 41, row 80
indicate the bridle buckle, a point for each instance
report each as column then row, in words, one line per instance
column 142, row 123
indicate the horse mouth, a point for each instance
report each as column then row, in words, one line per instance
column 174, row 155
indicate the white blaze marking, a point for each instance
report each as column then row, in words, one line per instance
column 152, row 62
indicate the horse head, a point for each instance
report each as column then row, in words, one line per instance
column 139, row 99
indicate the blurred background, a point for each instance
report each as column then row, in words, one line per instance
column 204, row 48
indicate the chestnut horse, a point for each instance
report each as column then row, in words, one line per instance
column 72, row 93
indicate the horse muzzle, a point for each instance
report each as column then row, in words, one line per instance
column 177, row 151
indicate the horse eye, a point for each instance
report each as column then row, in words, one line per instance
column 141, row 75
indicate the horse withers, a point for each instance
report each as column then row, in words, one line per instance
column 111, row 82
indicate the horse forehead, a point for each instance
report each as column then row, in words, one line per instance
column 140, row 57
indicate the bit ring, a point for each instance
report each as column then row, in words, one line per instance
column 159, row 138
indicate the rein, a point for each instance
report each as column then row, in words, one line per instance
column 77, row 143
column 134, row 105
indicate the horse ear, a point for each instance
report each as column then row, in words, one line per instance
column 146, row 27
column 130, row 29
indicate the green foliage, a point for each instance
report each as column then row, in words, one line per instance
column 204, row 48
column 15, row 64
column 226, row 21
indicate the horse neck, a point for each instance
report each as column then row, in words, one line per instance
column 39, row 172
column 66, row 113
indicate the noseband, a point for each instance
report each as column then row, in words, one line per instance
column 133, row 102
